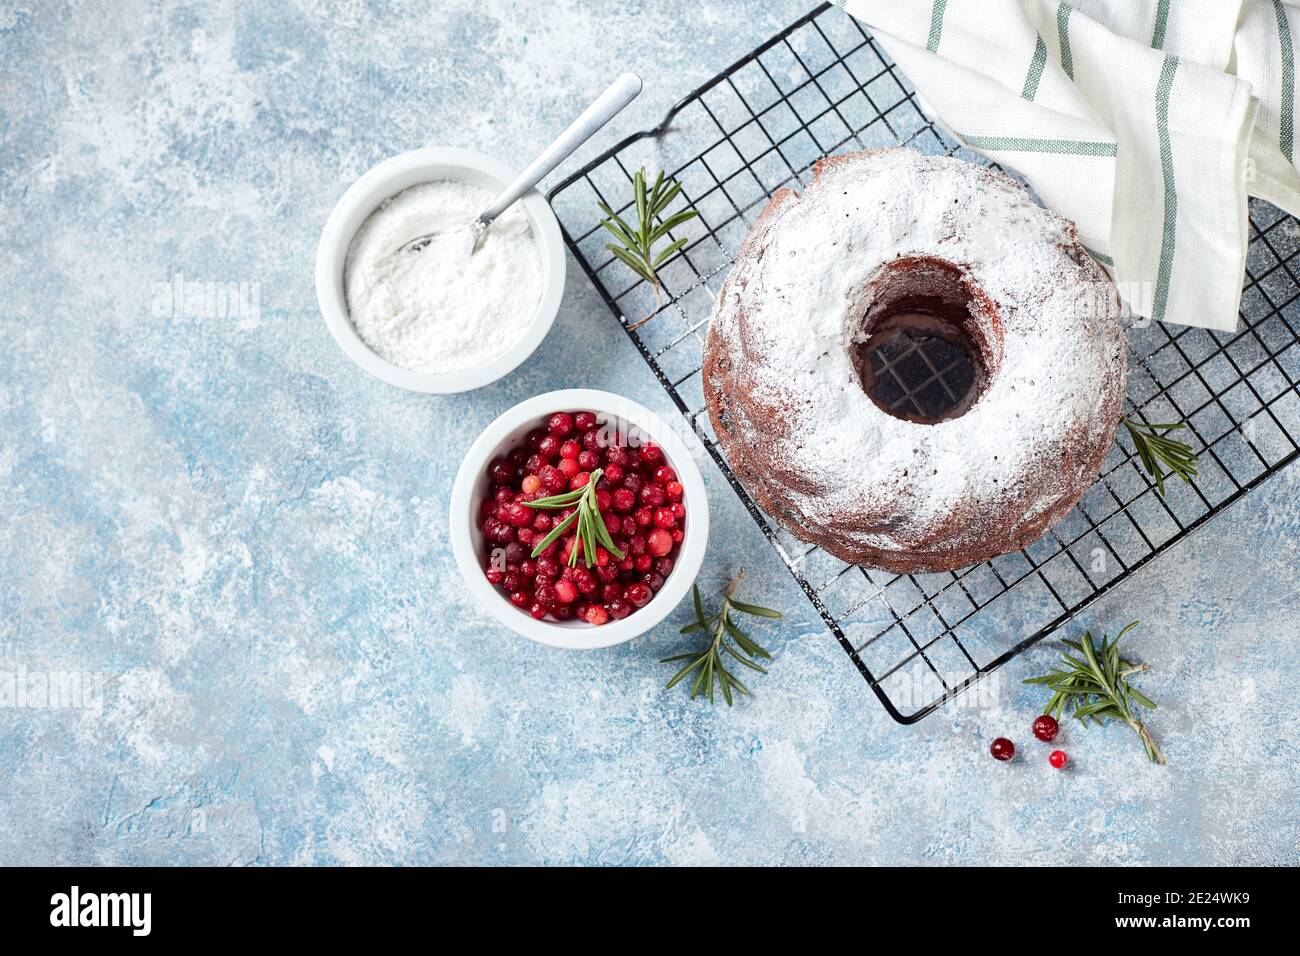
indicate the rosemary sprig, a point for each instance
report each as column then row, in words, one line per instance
column 1153, row 447
column 636, row 248
column 726, row 638
column 1096, row 685
column 590, row 525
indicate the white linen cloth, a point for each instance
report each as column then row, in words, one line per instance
column 1147, row 122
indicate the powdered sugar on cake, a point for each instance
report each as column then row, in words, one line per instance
column 836, row 468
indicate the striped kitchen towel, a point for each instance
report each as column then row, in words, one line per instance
column 1147, row 122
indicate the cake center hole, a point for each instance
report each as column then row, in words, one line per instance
column 918, row 360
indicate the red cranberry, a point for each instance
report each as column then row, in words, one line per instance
column 616, row 455
column 1046, row 727
column 644, row 563
column 579, row 480
column 652, row 495
column 1057, row 759
column 591, row 441
column 547, row 567
column 542, row 522
column 570, row 449
column 636, row 544
column 519, row 598
column 639, row 594
column 545, row 592
column 675, row 490
column 613, row 474
column 501, row 471
column 665, row 474
column 611, row 592
column 1002, row 749
column 679, row 510
column 568, row 467
column 515, row 553
column 519, row 514
column 678, row 535
column 585, row 580
column 552, row 478
column 602, row 499
column 537, row 610
column 588, row 460
column 566, row 591
column 650, row 453
column 534, row 438
column 659, row 542
column 531, row 485
column 619, row 609
column 550, row 446
column 664, row 517
column 664, row 567
column 623, row 499
column 654, row 580
column 596, row 614
column 518, row 456
column 494, row 575
column 633, row 481
column 607, row 572
column 644, row 516
column 526, row 536
column 585, row 421
column 562, row 612
column 561, row 423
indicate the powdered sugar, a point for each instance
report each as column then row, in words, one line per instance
column 795, row 418
column 441, row 309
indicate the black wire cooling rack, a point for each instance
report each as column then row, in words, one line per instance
column 823, row 86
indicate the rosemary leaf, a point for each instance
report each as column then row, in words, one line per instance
column 725, row 637
column 1155, row 448
column 636, row 246
column 1095, row 685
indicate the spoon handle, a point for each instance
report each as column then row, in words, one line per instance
column 621, row 92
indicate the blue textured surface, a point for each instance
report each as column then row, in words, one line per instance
column 247, row 535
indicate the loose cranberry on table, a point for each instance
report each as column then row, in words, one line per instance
column 1046, row 728
column 1002, row 749
column 1057, row 759
column 637, row 495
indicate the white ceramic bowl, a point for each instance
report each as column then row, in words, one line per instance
column 388, row 179
column 471, row 488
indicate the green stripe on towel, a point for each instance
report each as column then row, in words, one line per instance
column 936, row 24
column 1063, row 33
column 1162, row 22
column 1035, row 70
column 1286, row 136
column 1018, row 144
column 1163, row 89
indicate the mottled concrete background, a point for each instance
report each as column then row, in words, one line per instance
column 247, row 537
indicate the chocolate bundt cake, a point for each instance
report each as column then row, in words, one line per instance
column 890, row 242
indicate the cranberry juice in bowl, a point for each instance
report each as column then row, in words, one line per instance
column 579, row 519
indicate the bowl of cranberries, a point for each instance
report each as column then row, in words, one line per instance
column 579, row 519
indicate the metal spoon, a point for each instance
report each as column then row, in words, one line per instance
column 621, row 92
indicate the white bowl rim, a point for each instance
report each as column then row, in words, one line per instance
column 574, row 635
column 369, row 191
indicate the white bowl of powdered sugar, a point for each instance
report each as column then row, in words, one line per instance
column 439, row 319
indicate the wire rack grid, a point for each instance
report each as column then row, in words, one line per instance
column 823, row 86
